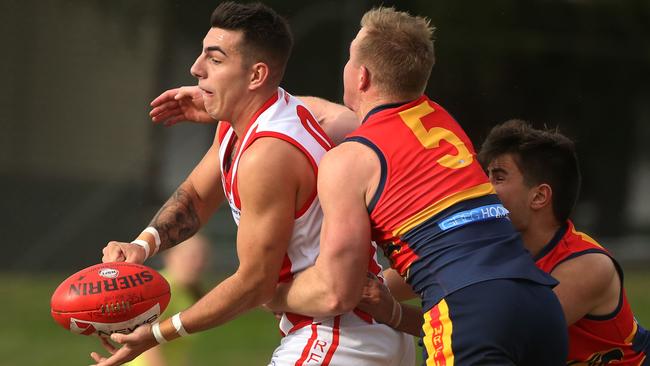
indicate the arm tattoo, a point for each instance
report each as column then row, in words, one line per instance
column 177, row 220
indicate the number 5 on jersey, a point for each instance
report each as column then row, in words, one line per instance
column 431, row 138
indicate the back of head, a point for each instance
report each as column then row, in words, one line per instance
column 398, row 51
column 542, row 156
column 266, row 35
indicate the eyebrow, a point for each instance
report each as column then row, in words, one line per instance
column 214, row 48
column 498, row 170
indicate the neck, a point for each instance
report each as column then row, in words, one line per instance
column 249, row 105
column 370, row 100
column 539, row 232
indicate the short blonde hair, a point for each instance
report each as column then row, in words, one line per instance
column 398, row 50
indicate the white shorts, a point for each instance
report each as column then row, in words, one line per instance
column 345, row 340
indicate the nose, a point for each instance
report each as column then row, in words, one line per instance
column 197, row 70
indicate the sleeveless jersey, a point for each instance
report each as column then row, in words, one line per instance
column 435, row 213
column 616, row 338
column 284, row 117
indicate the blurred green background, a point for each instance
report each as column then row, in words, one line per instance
column 81, row 164
column 30, row 337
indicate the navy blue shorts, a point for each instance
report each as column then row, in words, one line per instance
column 497, row 322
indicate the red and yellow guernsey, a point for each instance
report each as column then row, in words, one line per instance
column 613, row 339
column 435, row 213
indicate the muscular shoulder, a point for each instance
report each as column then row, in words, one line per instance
column 594, row 269
column 589, row 284
column 350, row 166
column 270, row 162
column 350, row 158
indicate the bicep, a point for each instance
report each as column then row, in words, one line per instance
column 268, row 184
column 265, row 229
column 345, row 235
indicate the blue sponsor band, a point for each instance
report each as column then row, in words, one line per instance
column 482, row 213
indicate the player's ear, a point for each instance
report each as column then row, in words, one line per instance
column 542, row 196
column 364, row 78
column 259, row 75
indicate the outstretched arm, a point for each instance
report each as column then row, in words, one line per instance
column 334, row 284
column 186, row 104
column 268, row 185
column 336, row 119
column 183, row 214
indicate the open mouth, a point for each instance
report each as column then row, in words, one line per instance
column 206, row 92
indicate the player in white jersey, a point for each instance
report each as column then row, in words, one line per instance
column 266, row 158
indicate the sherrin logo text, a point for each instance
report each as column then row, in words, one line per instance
column 111, row 284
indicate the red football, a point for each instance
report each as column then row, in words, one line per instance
column 110, row 298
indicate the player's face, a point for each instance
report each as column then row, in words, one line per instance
column 351, row 74
column 509, row 183
column 221, row 72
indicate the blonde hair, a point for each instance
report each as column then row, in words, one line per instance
column 398, row 51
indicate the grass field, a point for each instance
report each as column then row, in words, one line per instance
column 29, row 336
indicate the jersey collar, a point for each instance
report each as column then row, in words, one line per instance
column 559, row 234
column 382, row 107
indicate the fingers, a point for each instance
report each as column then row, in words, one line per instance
column 132, row 345
column 187, row 92
column 117, row 337
column 113, row 253
column 109, row 347
column 123, row 252
column 166, row 117
column 134, row 254
column 165, row 107
column 118, row 258
column 97, row 357
column 160, row 114
column 164, row 97
column 118, row 358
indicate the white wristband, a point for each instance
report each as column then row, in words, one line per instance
column 149, row 239
column 396, row 316
column 178, row 325
column 155, row 329
column 153, row 231
column 144, row 244
column 398, row 321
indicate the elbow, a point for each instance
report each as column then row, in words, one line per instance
column 258, row 290
column 336, row 303
column 265, row 291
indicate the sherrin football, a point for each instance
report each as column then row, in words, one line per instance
column 110, row 298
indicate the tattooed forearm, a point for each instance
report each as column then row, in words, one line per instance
column 177, row 220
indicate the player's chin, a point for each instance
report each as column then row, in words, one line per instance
column 214, row 113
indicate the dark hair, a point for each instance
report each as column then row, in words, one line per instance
column 542, row 156
column 267, row 36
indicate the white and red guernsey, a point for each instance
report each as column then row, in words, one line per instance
column 285, row 117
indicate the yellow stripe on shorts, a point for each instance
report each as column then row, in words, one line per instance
column 437, row 329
